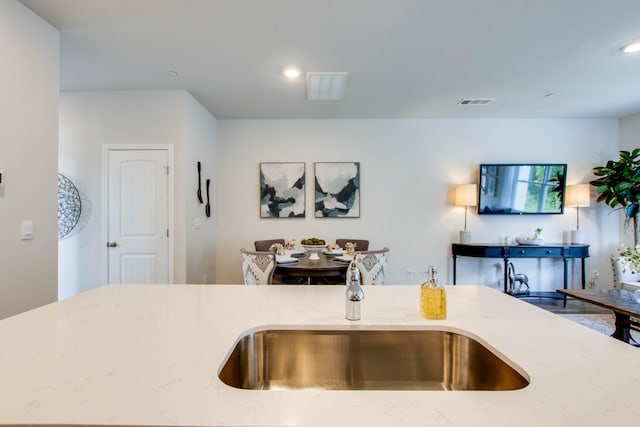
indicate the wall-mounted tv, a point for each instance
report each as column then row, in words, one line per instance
column 521, row 189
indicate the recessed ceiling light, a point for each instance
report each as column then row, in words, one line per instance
column 172, row 73
column 292, row 72
column 632, row 47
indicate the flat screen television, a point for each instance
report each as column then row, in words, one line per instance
column 521, row 189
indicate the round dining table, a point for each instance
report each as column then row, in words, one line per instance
column 325, row 270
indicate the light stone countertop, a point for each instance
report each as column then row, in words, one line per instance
column 149, row 355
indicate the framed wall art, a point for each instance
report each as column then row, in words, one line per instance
column 282, row 190
column 337, row 188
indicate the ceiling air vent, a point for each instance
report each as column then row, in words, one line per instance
column 475, row 101
column 326, row 86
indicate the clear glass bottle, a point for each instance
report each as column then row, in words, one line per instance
column 433, row 298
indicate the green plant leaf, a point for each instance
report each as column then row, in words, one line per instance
column 618, row 184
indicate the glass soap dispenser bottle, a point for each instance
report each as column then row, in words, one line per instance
column 433, row 298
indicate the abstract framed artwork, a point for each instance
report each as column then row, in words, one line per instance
column 282, row 190
column 337, row 188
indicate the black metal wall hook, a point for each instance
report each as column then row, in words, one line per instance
column 199, row 193
column 207, row 207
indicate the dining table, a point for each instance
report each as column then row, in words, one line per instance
column 327, row 269
column 623, row 303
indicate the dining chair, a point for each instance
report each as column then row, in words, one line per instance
column 361, row 245
column 623, row 277
column 258, row 267
column 264, row 245
column 372, row 265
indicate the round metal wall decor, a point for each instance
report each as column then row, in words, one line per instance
column 69, row 206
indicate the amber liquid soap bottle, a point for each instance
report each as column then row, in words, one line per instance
column 433, row 298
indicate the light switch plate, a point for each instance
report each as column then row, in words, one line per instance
column 27, row 230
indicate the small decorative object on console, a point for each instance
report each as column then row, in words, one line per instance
column 538, row 233
column 518, row 282
column 529, row 241
column 536, row 240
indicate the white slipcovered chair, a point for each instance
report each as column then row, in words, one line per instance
column 258, row 266
column 628, row 280
column 372, row 266
column 623, row 276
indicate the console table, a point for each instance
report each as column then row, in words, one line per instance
column 506, row 252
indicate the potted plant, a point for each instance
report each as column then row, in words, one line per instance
column 538, row 233
column 630, row 258
column 618, row 185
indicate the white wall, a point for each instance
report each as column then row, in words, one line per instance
column 408, row 168
column 200, row 246
column 88, row 120
column 28, row 158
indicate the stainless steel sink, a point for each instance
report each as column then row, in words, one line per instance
column 372, row 359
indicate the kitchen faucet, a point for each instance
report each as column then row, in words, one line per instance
column 354, row 293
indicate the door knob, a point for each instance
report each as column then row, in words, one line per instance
column 111, row 244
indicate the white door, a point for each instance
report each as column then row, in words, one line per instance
column 138, row 216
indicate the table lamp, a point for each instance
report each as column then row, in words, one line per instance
column 577, row 196
column 466, row 195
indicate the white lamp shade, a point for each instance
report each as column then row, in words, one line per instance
column 578, row 196
column 466, row 195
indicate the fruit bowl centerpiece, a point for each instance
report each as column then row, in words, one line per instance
column 313, row 246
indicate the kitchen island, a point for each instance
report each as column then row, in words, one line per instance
column 150, row 355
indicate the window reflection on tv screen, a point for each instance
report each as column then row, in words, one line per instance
column 520, row 189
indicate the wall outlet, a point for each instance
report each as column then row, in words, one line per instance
column 410, row 273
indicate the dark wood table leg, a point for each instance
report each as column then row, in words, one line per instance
column 455, row 262
column 565, row 263
column 506, row 273
column 623, row 323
